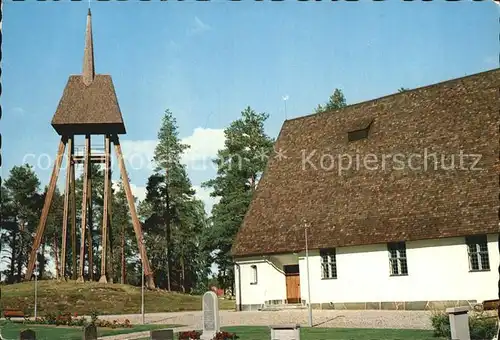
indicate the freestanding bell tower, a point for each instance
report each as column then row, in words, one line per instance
column 88, row 107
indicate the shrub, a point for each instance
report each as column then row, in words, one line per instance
column 481, row 325
column 113, row 324
column 225, row 336
column 63, row 319
column 189, row 335
column 50, row 318
column 68, row 319
column 94, row 314
column 58, row 319
column 440, row 324
column 482, row 328
column 80, row 322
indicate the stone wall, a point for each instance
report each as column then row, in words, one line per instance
column 386, row 305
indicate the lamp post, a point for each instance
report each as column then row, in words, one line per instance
column 142, row 284
column 309, row 307
column 285, row 98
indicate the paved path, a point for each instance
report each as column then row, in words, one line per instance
column 321, row 318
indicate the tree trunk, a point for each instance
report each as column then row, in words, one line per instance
column 232, row 284
column 13, row 257
column 90, row 237
column 20, row 251
column 43, row 263
column 56, row 255
column 183, row 273
column 168, row 232
column 124, row 269
column 168, row 269
column 110, row 253
column 19, row 258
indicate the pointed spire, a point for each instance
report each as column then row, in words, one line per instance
column 88, row 56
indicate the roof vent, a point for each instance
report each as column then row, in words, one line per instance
column 360, row 132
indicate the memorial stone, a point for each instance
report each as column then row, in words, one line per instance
column 285, row 332
column 90, row 332
column 211, row 320
column 459, row 323
column 162, row 334
column 27, row 334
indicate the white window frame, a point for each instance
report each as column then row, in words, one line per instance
column 477, row 246
column 328, row 263
column 254, row 274
column 397, row 255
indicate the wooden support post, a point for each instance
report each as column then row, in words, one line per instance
column 46, row 207
column 105, row 216
column 84, row 209
column 110, row 218
column 65, row 210
column 135, row 220
column 123, row 272
column 74, row 250
column 90, row 234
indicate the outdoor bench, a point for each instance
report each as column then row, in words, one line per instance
column 490, row 304
column 13, row 313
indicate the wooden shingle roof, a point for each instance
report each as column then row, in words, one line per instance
column 91, row 109
column 89, row 104
column 396, row 201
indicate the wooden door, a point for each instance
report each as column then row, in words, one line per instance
column 293, row 288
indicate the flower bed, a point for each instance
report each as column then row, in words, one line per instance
column 189, row 335
column 69, row 319
column 225, row 336
column 195, row 335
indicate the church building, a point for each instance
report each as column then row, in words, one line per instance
column 397, row 198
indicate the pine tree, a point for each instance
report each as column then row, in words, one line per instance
column 173, row 219
column 239, row 167
column 335, row 102
column 123, row 237
column 53, row 232
column 25, row 204
column 167, row 188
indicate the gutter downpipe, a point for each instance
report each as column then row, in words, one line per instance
column 239, row 287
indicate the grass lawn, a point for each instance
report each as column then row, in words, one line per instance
column 262, row 333
column 82, row 298
column 11, row 330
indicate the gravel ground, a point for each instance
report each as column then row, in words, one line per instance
column 321, row 318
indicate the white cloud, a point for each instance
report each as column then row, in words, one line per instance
column 201, row 193
column 142, row 148
column 198, row 27
column 204, row 195
column 138, row 191
column 204, row 144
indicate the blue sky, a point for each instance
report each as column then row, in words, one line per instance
column 208, row 61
